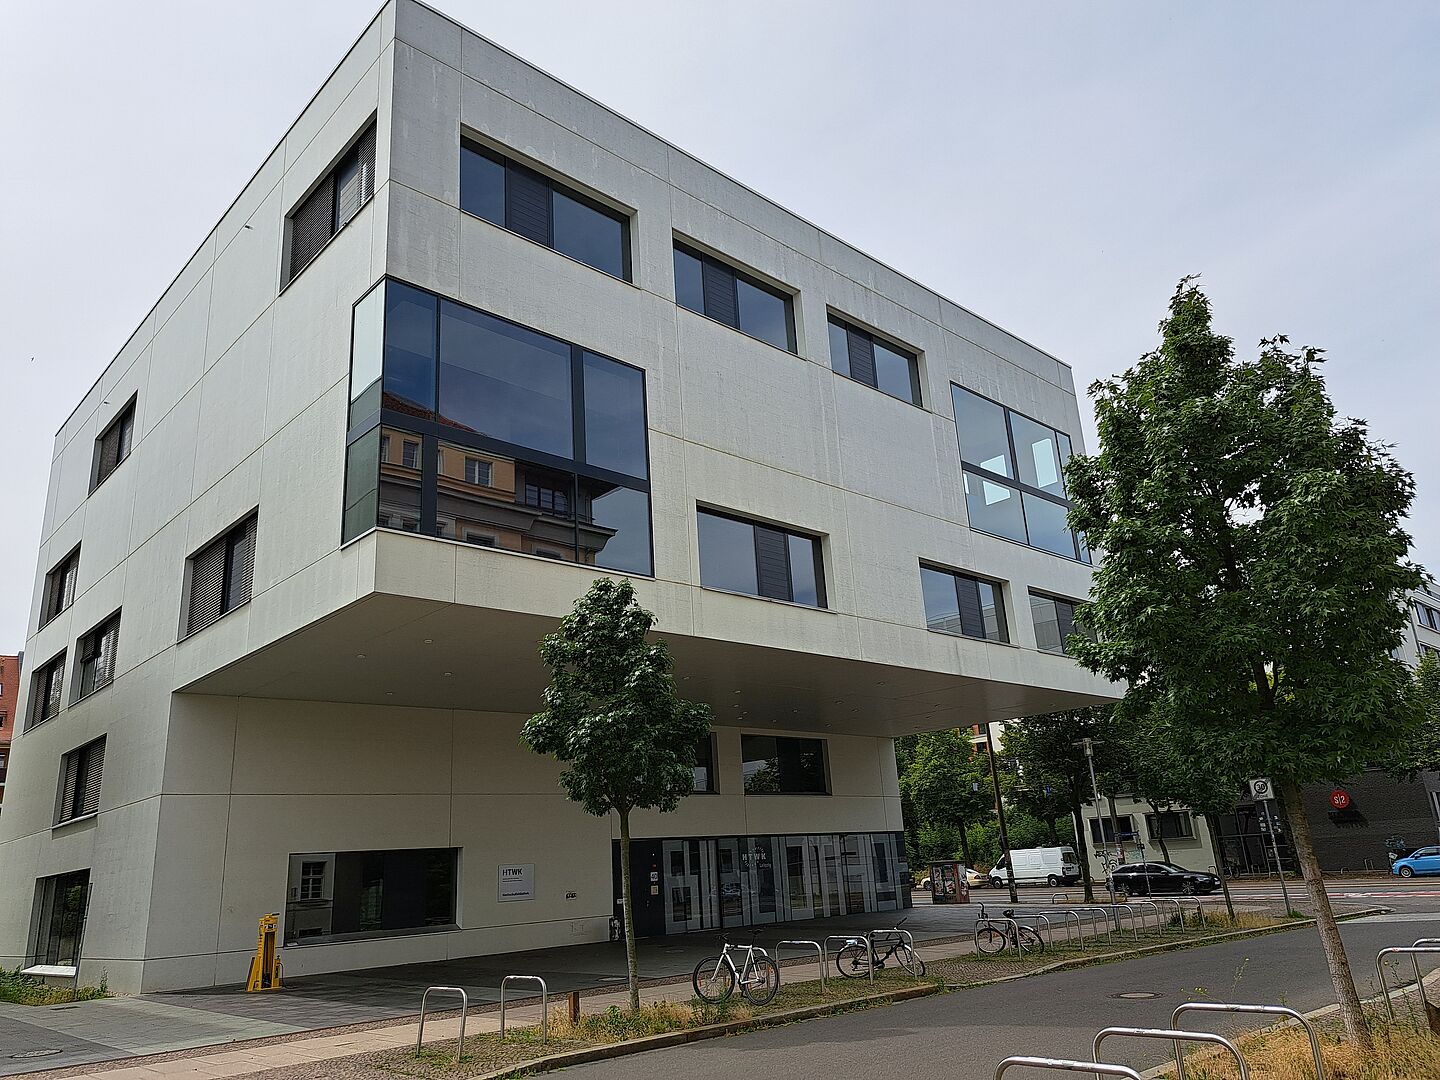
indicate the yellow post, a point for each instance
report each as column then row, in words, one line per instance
column 265, row 967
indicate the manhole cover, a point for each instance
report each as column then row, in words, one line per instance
column 33, row 1054
column 1136, row 995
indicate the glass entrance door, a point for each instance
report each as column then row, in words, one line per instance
column 829, row 899
column 763, row 869
column 800, row 885
column 689, row 885
column 732, row 897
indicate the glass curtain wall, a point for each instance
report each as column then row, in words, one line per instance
column 468, row 427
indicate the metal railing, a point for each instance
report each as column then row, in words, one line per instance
column 544, row 1003
column 807, row 946
column 464, row 1009
column 1096, row 1068
column 1173, row 1035
column 988, row 922
column 1104, row 919
column 1258, row 1010
column 1412, row 951
column 848, row 939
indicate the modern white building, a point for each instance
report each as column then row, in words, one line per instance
column 465, row 340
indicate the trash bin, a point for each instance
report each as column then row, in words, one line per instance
column 948, row 884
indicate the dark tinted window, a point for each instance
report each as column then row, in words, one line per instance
column 113, row 445
column 221, row 575
column 1048, row 526
column 839, row 348
column 367, row 354
column 47, row 691
column 961, row 604
column 776, row 765
column 719, row 291
column 503, row 381
column 615, row 416
column 689, row 281
column 1037, row 455
column 897, row 373
column 362, row 479
column 763, row 314
column 858, row 354
column 727, row 554
column 409, row 379
column 336, row 199
column 482, row 184
column 60, row 586
column 705, row 763
column 760, row 560
column 994, row 507
column 1054, row 621
column 348, row 894
column 614, row 526
column 593, row 236
column 97, row 656
column 983, row 439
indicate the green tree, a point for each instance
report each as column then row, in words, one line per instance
column 1254, row 551
column 612, row 716
column 946, row 783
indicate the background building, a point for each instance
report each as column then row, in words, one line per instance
column 9, row 713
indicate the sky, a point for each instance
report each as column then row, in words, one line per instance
column 1053, row 166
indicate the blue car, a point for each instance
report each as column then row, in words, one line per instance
column 1425, row 860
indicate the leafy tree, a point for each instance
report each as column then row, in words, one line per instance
column 946, row 784
column 1254, row 552
column 612, row 716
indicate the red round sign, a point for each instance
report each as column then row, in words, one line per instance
column 1339, row 799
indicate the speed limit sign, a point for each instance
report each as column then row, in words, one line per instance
column 1262, row 789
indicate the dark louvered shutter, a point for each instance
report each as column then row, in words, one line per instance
column 972, row 623
column 242, row 565
column 69, row 784
column 357, row 174
column 311, row 226
column 94, row 764
column 55, row 686
column 771, row 563
column 720, row 300
column 527, row 203
column 109, row 454
column 862, row 360
column 105, row 653
column 207, row 586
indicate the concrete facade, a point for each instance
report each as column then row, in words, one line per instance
column 10, row 676
column 368, row 696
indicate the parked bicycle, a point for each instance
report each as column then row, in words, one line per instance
column 757, row 976
column 996, row 935
column 854, row 959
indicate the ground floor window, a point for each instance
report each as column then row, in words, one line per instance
column 343, row 895
column 689, row 884
column 61, row 902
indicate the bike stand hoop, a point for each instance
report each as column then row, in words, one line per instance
column 1257, row 1010
column 807, row 946
column 1097, row 1068
column 1176, row 1036
column 464, row 1009
column 544, row 1003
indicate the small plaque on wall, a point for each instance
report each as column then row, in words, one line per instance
column 517, row 882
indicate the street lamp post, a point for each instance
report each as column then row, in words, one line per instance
column 1089, row 747
column 1000, row 814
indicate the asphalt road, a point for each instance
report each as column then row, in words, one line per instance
column 961, row 1036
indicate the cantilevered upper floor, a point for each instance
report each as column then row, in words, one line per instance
column 468, row 338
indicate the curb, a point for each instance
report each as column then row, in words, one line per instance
column 699, row 1034
column 1161, row 947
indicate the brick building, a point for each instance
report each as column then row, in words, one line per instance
column 9, row 710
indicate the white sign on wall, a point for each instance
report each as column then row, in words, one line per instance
column 517, row 882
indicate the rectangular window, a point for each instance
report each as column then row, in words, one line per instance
column 778, row 765
column 221, row 574
column 1054, row 622
column 1427, row 616
column 330, row 206
column 410, row 454
column 721, row 292
column 347, row 895
column 80, row 782
column 47, row 689
column 1014, row 473
column 478, row 472
column 113, row 445
column 705, row 764
column 60, row 586
column 508, row 194
column 760, row 560
column 97, row 656
column 961, row 604
column 1171, row 825
column 860, row 355
column 1102, row 830
column 60, row 903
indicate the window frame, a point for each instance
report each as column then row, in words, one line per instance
column 1074, row 626
column 1155, row 821
column 821, row 741
column 1020, row 487
column 67, row 813
column 124, row 418
column 553, row 184
column 289, row 272
column 45, row 676
column 88, row 653
column 1001, row 605
column 818, row 540
column 230, row 537
column 850, row 326
column 712, row 784
column 48, row 611
column 736, row 274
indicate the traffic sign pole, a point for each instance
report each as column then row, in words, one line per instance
column 1273, row 814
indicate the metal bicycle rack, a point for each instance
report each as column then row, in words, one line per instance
column 1104, row 920
column 1179, row 910
column 1176, row 1036
column 807, row 946
column 848, row 939
column 1095, row 1068
column 1045, row 938
column 1259, row 1010
column 989, row 921
column 1412, row 951
column 1071, row 919
column 464, row 1009
column 544, row 1003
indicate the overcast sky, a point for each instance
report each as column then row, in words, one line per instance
column 1055, row 167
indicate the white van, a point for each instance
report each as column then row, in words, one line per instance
column 1051, row 866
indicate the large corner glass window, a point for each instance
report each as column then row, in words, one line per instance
column 351, row 895
column 860, row 355
column 508, row 194
column 493, row 434
column 1015, row 476
column 960, row 604
column 779, row 765
column 334, row 200
column 1054, row 621
column 729, row 295
column 761, row 560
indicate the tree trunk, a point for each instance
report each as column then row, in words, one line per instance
column 1082, row 848
column 965, row 845
column 1339, row 964
column 1164, row 848
column 1220, row 864
column 632, row 964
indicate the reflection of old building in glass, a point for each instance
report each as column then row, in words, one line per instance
column 465, row 341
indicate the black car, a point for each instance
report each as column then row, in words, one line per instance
column 1161, row 879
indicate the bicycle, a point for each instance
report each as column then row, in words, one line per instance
column 991, row 940
column 716, row 977
column 854, row 959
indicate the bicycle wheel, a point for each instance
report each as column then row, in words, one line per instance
column 910, row 961
column 713, row 980
column 1030, row 941
column 990, row 941
column 763, row 982
column 854, row 961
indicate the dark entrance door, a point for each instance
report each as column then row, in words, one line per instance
column 647, row 886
